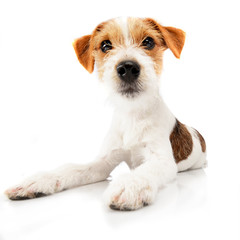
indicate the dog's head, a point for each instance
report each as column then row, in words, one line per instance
column 128, row 53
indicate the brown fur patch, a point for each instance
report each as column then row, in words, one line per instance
column 202, row 141
column 83, row 50
column 181, row 141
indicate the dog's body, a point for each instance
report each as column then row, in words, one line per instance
column 144, row 133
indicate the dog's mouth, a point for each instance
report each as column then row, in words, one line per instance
column 130, row 90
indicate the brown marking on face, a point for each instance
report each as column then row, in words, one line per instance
column 181, row 141
column 202, row 141
column 109, row 31
column 139, row 30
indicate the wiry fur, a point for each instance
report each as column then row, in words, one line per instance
column 142, row 124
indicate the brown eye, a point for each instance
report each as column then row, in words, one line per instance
column 106, row 45
column 148, row 43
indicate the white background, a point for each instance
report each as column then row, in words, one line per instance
column 53, row 112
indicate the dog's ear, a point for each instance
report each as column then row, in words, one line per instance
column 173, row 38
column 83, row 49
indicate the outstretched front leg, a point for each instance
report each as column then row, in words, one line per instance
column 139, row 188
column 66, row 177
column 73, row 175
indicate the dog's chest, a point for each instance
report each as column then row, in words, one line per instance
column 134, row 131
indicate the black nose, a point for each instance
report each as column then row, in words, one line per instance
column 128, row 71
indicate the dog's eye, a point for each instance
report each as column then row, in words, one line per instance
column 148, row 43
column 106, row 45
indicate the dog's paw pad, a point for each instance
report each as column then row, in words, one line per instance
column 28, row 196
column 20, row 193
column 117, row 207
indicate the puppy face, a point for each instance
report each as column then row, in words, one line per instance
column 128, row 54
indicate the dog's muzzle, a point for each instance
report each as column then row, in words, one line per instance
column 128, row 71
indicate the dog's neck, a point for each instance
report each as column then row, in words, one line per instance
column 139, row 108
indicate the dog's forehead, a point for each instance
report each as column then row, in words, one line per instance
column 124, row 31
column 122, row 23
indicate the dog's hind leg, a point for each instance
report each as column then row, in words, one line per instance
column 66, row 177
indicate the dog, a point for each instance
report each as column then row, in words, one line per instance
column 128, row 53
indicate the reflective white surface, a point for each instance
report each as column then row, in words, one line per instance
column 189, row 206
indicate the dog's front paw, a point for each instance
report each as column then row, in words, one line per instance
column 130, row 192
column 33, row 187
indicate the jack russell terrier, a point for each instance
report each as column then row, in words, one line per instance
column 144, row 133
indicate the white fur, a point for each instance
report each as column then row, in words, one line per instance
column 139, row 135
column 123, row 23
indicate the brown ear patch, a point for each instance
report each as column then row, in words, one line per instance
column 83, row 50
column 181, row 141
column 202, row 141
column 174, row 39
